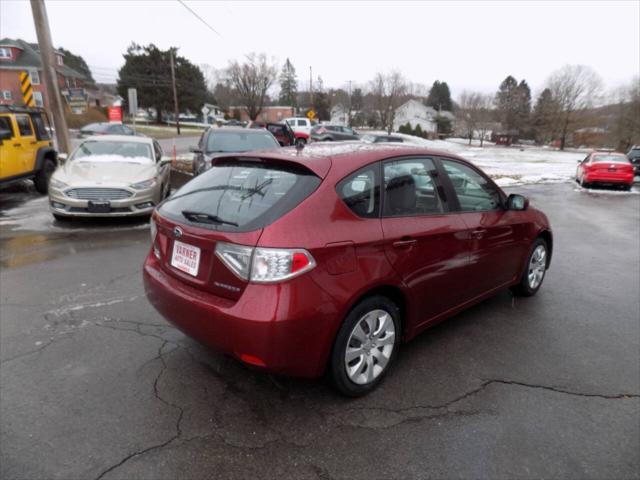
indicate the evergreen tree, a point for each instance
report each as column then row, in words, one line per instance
column 523, row 108
column 544, row 116
column 79, row 65
column 288, row 85
column 440, row 97
column 321, row 101
column 357, row 99
column 418, row 131
column 147, row 68
column 507, row 103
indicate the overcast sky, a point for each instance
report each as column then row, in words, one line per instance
column 470, row 45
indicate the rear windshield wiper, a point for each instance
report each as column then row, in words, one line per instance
column 202, row 217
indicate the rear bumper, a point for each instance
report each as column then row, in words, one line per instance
column 626, row 179
column 286, row 328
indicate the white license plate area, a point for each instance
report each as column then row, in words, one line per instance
column 185, row 258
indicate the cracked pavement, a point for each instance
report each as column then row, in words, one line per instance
column 94, row 384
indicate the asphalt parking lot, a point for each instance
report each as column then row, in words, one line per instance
column 95, row 384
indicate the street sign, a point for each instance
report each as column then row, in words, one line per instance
column 114, row 114
column 133, row 101
column 311, row 114
column 27, row 89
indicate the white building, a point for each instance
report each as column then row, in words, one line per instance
column 339, row 115
column 212, row 113
column 417, row 113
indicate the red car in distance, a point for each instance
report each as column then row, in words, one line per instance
column 285, row 135
column 605, row 168
column 325, row 259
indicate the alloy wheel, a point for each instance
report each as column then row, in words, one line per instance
column 537, row 266
column 370, row 347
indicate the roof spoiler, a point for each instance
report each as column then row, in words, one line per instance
column 319, row 166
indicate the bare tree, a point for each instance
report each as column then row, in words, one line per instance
column 388, row 91
column 574, row 88
column 475, row 110
column 252, row 80
column 624, row 128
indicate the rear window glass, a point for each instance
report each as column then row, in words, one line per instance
column 610, row 159
column 240, row 196
column 240, row 141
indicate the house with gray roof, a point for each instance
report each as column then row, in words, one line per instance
column 17, row 56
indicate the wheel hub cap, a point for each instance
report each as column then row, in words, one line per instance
column 537, row 266
column 370, row 347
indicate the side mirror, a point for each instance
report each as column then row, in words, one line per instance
column 62, row 157
column 517, row 202
column 195, row 150
column 165, row 160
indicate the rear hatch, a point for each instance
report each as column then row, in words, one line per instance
column 225, row 208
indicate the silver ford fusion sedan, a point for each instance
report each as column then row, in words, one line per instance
column 110, row 175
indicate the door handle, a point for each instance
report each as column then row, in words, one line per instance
column 33, row 143
column 17, row 144
column 405, row 243
column 478, row 233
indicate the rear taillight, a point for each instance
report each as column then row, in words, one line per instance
column 153, row 230
column 264, row 265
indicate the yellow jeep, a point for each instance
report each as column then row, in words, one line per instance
column 26, row 147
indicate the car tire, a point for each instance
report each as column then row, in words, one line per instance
column 371, row 333
column 534, row 271
column 41, row 181
column 301, row 142
column 582, row 183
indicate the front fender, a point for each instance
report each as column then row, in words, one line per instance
column 44, row 152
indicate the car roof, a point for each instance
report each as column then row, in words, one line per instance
column 226, row 130
column 119, row 138
column 344, row 156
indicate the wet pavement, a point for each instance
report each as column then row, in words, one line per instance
column 95, row 384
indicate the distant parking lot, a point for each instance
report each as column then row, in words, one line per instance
column 95, row 384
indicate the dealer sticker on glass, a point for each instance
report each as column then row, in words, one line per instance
column 186, row 258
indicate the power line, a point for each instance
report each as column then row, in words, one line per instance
column 200, row 18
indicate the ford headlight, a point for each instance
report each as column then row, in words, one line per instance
column 144, row 185
column 57, row 184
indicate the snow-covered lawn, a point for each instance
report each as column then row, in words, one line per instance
column 509, row 165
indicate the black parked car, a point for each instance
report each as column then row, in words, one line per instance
column 381, row 139
column 218, row 141
column 634, row 157
column 332, row 133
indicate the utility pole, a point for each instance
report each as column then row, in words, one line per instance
column 50, row 76
column 349, row 113
column 310, row 88
column 175, row 92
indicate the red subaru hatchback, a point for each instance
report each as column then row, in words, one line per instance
column 326, row 259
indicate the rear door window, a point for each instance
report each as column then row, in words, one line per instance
column 40, row 124
column 240, row 196
column 24, row 126
column 410, row 188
